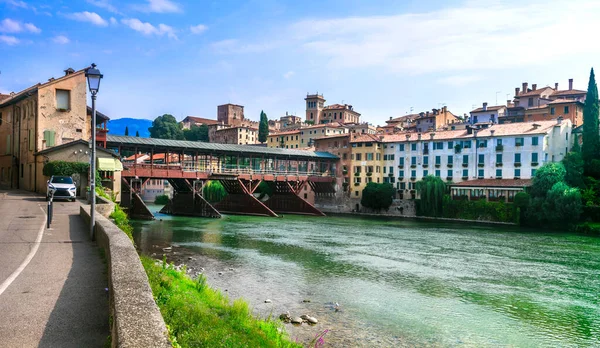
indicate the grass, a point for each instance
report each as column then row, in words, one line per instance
column 198, row 316
column 121, row 219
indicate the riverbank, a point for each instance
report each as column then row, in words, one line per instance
column 197, row 315
column 424, row 218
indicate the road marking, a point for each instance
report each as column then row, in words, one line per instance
column 29, row 257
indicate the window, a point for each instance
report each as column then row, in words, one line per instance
column 369, row 156
column 498, row 173
column 49, row 138
column 384, row 170
column 465, row 159
column 401, row 161
column 552, row 111
column 413, row 161
column 482, row 143
column 425, row 173
column 438, row 173
column 413, row 173
column 401, row 147
column 63, row 99
column 517, row 158
column 529, row 101
column 517, row 173
column 391, row 157
column 466, row 144
column 481, row 159
column 438, row 146
column 449, row 173
column 533, row 170
column 566, row 110
column 450, row 145
column 519, row 141
column 450, row 159
column 413, row 147
column 426, row 160
column 401, row 173
column 498, row 158
column 391, row 170
column 480, row 173
column 438, row 160
column 534, row 157
column 535, row 141
column 378, row 156
column 359, row 157
column 465, row 173
column 498, row 141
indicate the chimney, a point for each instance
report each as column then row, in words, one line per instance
column 381, row 138
column 536, row 126
column 407, row 136
column 492, row 132
column 570, row 84
column 485, row 106
column 421, row 114
column 431, row 135
column 508, row 102
column 534, row 86
column 419, row 136
column 444, row 108
column 69, row 71
column 525, row 87
column 517, row 89
column 559, row 120
column 390, row 118
column 427, row 113
column 556, row 86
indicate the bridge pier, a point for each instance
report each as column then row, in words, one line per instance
column 286, row 200
column 188, row 200
column 240, row 198
column 131, row 200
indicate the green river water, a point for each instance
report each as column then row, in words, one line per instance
column 397, row 282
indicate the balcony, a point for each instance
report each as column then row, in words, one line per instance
column 356, row 173
column 518, row 143
column 401, row 166
column 499, row 164
column 400, row 178
column 499, row 148
column 369, row 174
column 391, row 174
column 448, row 178
column 425, row 151
column 357, row 184
column 413, row 166
column 425, row 165
column 481, row 165
column 412, row 178
column 465, row 178
column 517, row 164
column 450, row 165
column 465, row 165
column 437, row 165
column 534, row 164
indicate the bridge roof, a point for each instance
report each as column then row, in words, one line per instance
column 227, row 149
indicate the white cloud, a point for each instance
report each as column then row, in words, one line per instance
column 289, row 74
column 159, row 6
column 9, row 40
column 32, row 28
column 105, row 4
column 17, row 3
column 458, row 80
column 198, row 29
column 113, row 21
column 91, row 17
column 149, row 29
column 61, row 40
column 10, row 26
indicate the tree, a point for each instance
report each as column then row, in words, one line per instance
column 126, row 130
column 214, row 191
column 196, row 133
column 166, row 127
column 574, row 169
column 591, row 138
column 562, row 205
column 263, row 128
column 377, row 196
column 137, row 133
column 545, row 177
column 431, row 189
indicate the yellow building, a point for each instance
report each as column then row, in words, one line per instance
column 284, row 140
column 366, row 162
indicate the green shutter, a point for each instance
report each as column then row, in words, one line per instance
column 49, row 138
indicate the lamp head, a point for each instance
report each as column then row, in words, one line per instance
column 93, row 76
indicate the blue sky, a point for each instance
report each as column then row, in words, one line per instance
column 383, row 57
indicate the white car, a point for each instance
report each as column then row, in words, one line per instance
column 61, row 187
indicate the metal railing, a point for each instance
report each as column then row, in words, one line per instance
column 229, row 169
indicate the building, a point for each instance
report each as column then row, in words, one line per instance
column 308, row 134
column 487, row 114
column 366, row 162
column 230, row 114
column 490, row 190
column 502, row 151
column 155, row 187
column 338, row 145
column 317, row 112
column 361, row 128
column 284, row 140
column 40, row 117
column 190, row 121
column 289, row 122
column 236, row 135
column 402, row 122
column 436, row 119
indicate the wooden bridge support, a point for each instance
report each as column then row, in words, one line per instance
column 286, row 199
column 131, row 200
column 188, row 200
column 240, row 199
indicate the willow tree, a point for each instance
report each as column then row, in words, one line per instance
column 214, row 192
column 432, row 190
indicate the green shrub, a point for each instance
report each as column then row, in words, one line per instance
column 122, row 221
column 432, row 190
column 545, row 177
column 161, row 199
column 377, row 196
column 199, row 316
column 64, row 168
column 479, row 210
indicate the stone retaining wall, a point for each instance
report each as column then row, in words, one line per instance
column 136, row 319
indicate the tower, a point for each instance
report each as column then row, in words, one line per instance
column 314, row 107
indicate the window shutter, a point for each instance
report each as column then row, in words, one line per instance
column 31, row 140
column 49, row 138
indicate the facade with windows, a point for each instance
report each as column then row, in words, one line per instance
column 236, row 135
column 507, row 151
column 367, row 159
column 38, row 118
column 284, row 140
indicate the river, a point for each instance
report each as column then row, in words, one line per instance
column 397, row 282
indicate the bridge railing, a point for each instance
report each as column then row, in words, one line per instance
column 228, row 169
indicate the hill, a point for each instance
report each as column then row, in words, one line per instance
column 117, row 127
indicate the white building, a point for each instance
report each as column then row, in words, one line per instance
column 500, row 151
column 487, row 114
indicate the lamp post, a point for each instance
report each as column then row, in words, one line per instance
column 93, row 76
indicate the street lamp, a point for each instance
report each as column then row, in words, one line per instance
column 93, row 76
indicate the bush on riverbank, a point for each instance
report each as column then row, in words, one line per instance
column 479, row 210
column 199, row 316
column 161, row 199
column 122, row 221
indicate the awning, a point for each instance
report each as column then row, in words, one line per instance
column 118, row 165
column 107, row 164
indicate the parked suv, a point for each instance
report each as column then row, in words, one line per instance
column 62, row 187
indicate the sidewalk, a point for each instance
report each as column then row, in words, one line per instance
column 59, row 298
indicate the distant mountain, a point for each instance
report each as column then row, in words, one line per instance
column 117, row 127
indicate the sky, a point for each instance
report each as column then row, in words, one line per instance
column 386, row 58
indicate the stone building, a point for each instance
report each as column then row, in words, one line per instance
column 317, row 112
column 230, row 114
column 236, row 135
column 40, row 117
column 190, row 121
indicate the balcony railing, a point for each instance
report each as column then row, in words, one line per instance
column 224, row 169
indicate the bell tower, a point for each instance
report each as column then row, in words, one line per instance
column 314, row 107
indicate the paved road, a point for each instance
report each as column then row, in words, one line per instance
column 59, row 298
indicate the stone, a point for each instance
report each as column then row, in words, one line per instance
column 220, row 273
column 167, row 249
column 296, row 320
column 190, row 258
column 304, row 317
column 312, row 320
column 267, row 301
